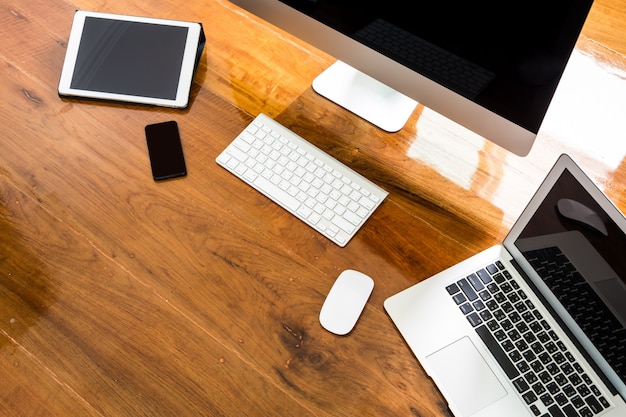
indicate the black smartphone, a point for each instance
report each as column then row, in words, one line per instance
column 165, row 150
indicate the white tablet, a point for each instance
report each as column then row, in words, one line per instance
column 131, row 59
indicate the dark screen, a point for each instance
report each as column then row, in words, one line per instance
column 578, row 251
column 130, row 58
column 507, row 57
column 165, row 150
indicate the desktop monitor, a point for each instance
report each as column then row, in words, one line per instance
column 492, row 66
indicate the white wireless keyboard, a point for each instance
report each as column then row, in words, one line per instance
column 312, row 185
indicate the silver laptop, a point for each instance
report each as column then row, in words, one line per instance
column 536, row 326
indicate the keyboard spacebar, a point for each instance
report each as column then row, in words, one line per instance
column 276, row 193
column 494, row 347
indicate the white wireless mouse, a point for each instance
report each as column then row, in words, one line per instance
column 345, row 301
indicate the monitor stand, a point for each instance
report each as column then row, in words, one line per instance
column 364, row 96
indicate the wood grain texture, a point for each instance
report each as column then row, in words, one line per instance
column 120, row 296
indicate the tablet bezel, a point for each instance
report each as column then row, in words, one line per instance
column 186, row 73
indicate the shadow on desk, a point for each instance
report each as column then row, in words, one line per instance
column 425, row 224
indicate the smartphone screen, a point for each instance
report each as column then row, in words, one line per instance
column 165, row 150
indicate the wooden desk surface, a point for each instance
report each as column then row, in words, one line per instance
column 120, row 296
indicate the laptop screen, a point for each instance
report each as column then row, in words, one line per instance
column 577, row 251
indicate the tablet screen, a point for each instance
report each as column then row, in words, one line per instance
column 131, row 58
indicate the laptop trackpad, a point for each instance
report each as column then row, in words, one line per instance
column 464, row 377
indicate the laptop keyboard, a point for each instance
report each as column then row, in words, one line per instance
column 581, row 302
column 309, row 183
column 544, row 372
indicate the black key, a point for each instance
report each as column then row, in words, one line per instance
column 522, row 328
column 567, row 369
column 506, row 324
column 502, row 358
column 569, row 390
column 493, row 288
column 523, row 367
column 537, row 366
column 484, row 276
column 513, row 334
column 452, row 289
column 555, row 411
column 553, row 368
column 531, row 377
column 577, row 402
column 545, row 377
column 467, row 290
column 521, row 345
column 536, row 347
column 570, row 411
column 499, row 315
column 593, row 403
column 486, row 315
column 466, row 308
column 542, row 336
column 485, row 295
column 500, row 297
column 515, row 356
column 547, row 399
column 604, row 402
column 575, row 380
column 520, row 385
column 545, row 358
column 459, row 298
column 530, row 318
column 551, row 347
column 529, row 397
column 553, row 388
column 529, row 356
column 529, row 337
column 500, row 335
column 493, row 325
column 561, row 399
column 560, row 379
column 474, row 319
column 508, row 345
column 478, row 305
column 538, row 388
column 476, row 282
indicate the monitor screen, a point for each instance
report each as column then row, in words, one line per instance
column 492, row 67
